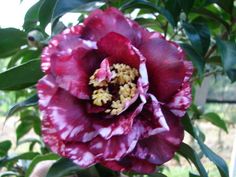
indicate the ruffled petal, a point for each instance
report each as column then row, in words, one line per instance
column 152, row 118
column 119, row 49
column 120, row 125
column 65, row 41
column 72, row 70
column 160, row 148
column 183, row 99
column 117, row 146
column 71, row 60
column 165, row 66
column 99, row 23
column 65, row 112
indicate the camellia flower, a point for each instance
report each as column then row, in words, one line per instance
column 113, row 94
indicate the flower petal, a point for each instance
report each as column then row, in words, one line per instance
column 165, row 66
column 65, row 112
column 120, row 125
column 160, row 148
column 67, row 40
column 72, row 70
column 119, row 49
column 117, row 146
column 99, row 23
column 183, row 98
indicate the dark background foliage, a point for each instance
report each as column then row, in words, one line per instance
column 205, row 29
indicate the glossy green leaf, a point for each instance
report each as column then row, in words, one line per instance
column 216, row 120
column 28, row 120
column 39, row 159
column 31, row 16
column 227, row 5
column 45, row 12
column 186, row 5
column 227, row 51
column 65, row 167
column 193, row 175
column 8, row 173
column 4, row 147
column 24, row 156
column 174, row 8
column 24, row 55
column 32, row 101
column 199, row 36
column 11, row 41
column 144, row 4
column 196, row 58
column 193, row 36
column 217, row 160
column 187, row 152
column 21, row 76
column 157, row 175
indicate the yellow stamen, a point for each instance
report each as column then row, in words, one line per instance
column 123, row 77
column 101, row 97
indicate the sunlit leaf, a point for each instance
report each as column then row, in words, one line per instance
column 216, row 120
column 4, row 147
column 39, row 159
column 21, row 76
column 197, row 59
column 64, row 167
column 228, row 52
column 187, row 152
column 32, row 101
column 11, row 41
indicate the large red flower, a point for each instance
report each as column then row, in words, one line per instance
column 113, row 94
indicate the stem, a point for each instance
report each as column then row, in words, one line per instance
column 206, row 75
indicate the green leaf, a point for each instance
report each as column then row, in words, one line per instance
column 217, row 160
column 227, row 5
column 38, row 159
column 45, row 12
column 193, row 36
column 4, row 147
column 157, row 175
column 174, row 8
column 24, row 55
column 32, row 101
column 23, row 129
column 144, row 4
column 227, row 51
column 186, row 5
column 11, row 41
column 31, row 16
column 220, row 163
column 29, row 119
column 198, row 35
column 8, row 173
column 215, row 119
column 65, row 167
column 187, row 152
column 197, row 59
column 21, row 76
column 24, row 156
column 193, row 175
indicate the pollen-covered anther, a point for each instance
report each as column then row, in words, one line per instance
column 124, row 74
column 126, row 93
column 101, row 97
column 121, row 84
column 95, row 82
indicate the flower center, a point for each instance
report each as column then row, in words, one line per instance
column 113, row 86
